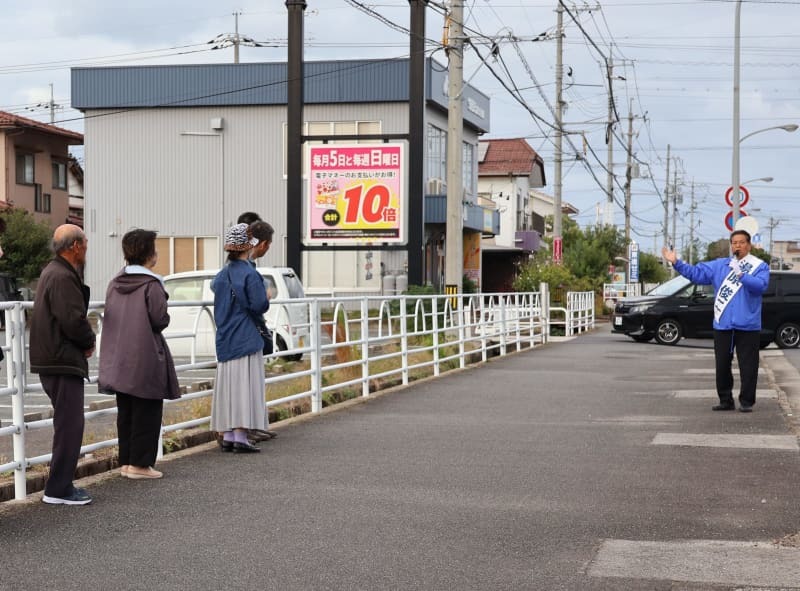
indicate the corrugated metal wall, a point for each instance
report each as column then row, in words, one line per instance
column 168, row 170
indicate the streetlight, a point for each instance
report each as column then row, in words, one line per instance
column 763, row 179
column 735, row 197
column 737, row 38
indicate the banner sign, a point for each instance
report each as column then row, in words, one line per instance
column 356, row 194
column 633, row 257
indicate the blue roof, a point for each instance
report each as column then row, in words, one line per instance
column 256, row 84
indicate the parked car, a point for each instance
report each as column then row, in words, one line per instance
column 679, row 308
column 289, row 322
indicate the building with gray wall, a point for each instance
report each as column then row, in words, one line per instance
column 185, row 149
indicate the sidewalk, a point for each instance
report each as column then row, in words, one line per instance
column 589, row 464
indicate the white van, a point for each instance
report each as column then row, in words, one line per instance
column 289, row 322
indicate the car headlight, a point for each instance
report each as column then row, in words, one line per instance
column 640, row 308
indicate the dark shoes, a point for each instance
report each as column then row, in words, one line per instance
column 244, row 448
column 745, row 408
column 724, row 406
column 225, row 445
column 78, row 497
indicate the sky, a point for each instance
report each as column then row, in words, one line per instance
column 672, row 69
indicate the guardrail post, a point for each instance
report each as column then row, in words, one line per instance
column 16, row 369
column 314, row 335
column 544, row 300
column 435, row 329
column 404, row 339
column 461, row 334
column 503, row 328
column 365, row 344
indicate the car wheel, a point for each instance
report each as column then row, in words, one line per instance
column 788, row 335
column 641, row 338
column 281, row 346
column 668, row 332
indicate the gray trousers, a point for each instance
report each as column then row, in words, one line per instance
column 66, row 394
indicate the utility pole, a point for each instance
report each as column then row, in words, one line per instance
column 691, row 228
column 675, row 197
column 558, row 157
column 608, row 216
column 667, row 242
column 629, row 176
column 52, row 106
column 236, row 37
column 454, row 240
column 772, row 223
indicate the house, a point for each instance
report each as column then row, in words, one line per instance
column 785, row 255
column 543, row 206
column 184, row 149
column 75, row 188
column 34, row 164
column 508, row 169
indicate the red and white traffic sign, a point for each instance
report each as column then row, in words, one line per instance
column 744, row 196
column 729, row 219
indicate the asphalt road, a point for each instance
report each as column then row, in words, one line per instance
column 547, row 470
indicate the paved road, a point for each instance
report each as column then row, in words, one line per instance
column 594, row 464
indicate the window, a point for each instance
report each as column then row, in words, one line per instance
column 59, row 175
column 332, row 128
column 468, row 167
column 185, row 289
column 25, row 169
column 41, row 201
column 436, row 154
column 186, row 253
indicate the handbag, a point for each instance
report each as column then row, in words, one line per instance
column 263, row 329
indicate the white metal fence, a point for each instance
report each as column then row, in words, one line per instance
column 353, row 345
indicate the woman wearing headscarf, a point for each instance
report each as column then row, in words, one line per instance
column 240, row 300
column 135, row 361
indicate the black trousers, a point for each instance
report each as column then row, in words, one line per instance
column 138, row 428
column 746, row 344
column 66, row 394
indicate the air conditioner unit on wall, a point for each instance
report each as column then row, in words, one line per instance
column 436, row 187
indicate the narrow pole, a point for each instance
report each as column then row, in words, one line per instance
column 735, row 197
column 628, row 176
column 608, row 212
column 294, row 132
column 52, row 106
column 454, row 245
column 667, row 242
column 691, row 228
column 675, row 207
column 236, row 38
column 558, row 156
column 416, row 139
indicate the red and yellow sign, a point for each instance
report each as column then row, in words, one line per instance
column 356, row 194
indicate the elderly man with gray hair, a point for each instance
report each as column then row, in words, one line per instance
column 62, row 340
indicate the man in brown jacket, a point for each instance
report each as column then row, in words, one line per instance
column 62, row 340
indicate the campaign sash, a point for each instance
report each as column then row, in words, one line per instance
column 732, row 285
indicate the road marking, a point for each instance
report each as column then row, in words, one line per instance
column 784, row 442
column 713, row 394
column 639, row 420
column 699, row 561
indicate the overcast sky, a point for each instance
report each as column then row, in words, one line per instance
column 676, row 59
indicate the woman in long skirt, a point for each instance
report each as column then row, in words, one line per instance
column 240, row 302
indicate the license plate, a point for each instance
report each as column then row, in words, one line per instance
column 618, row 321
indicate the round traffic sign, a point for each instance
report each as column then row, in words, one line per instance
column 744, row 193
column 729, row 219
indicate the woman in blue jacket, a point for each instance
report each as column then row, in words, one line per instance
column 238, row 403
column 739, row 282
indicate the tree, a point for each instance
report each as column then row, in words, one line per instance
column 650, row 269
column 26, row 245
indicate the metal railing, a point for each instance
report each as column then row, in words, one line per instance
column 354, row 345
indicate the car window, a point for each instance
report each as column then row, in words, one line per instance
column 189, row 289
column 272, row 289
column 790, row 286
column 293, row 285
column 671, row 287
column 703, row 290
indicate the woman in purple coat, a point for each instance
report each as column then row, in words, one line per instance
column 135, row 361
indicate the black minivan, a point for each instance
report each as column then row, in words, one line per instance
column 679, row 308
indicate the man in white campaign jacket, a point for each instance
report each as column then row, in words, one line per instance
column 739, row 282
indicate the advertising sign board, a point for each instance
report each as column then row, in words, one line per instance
column 356, row 194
